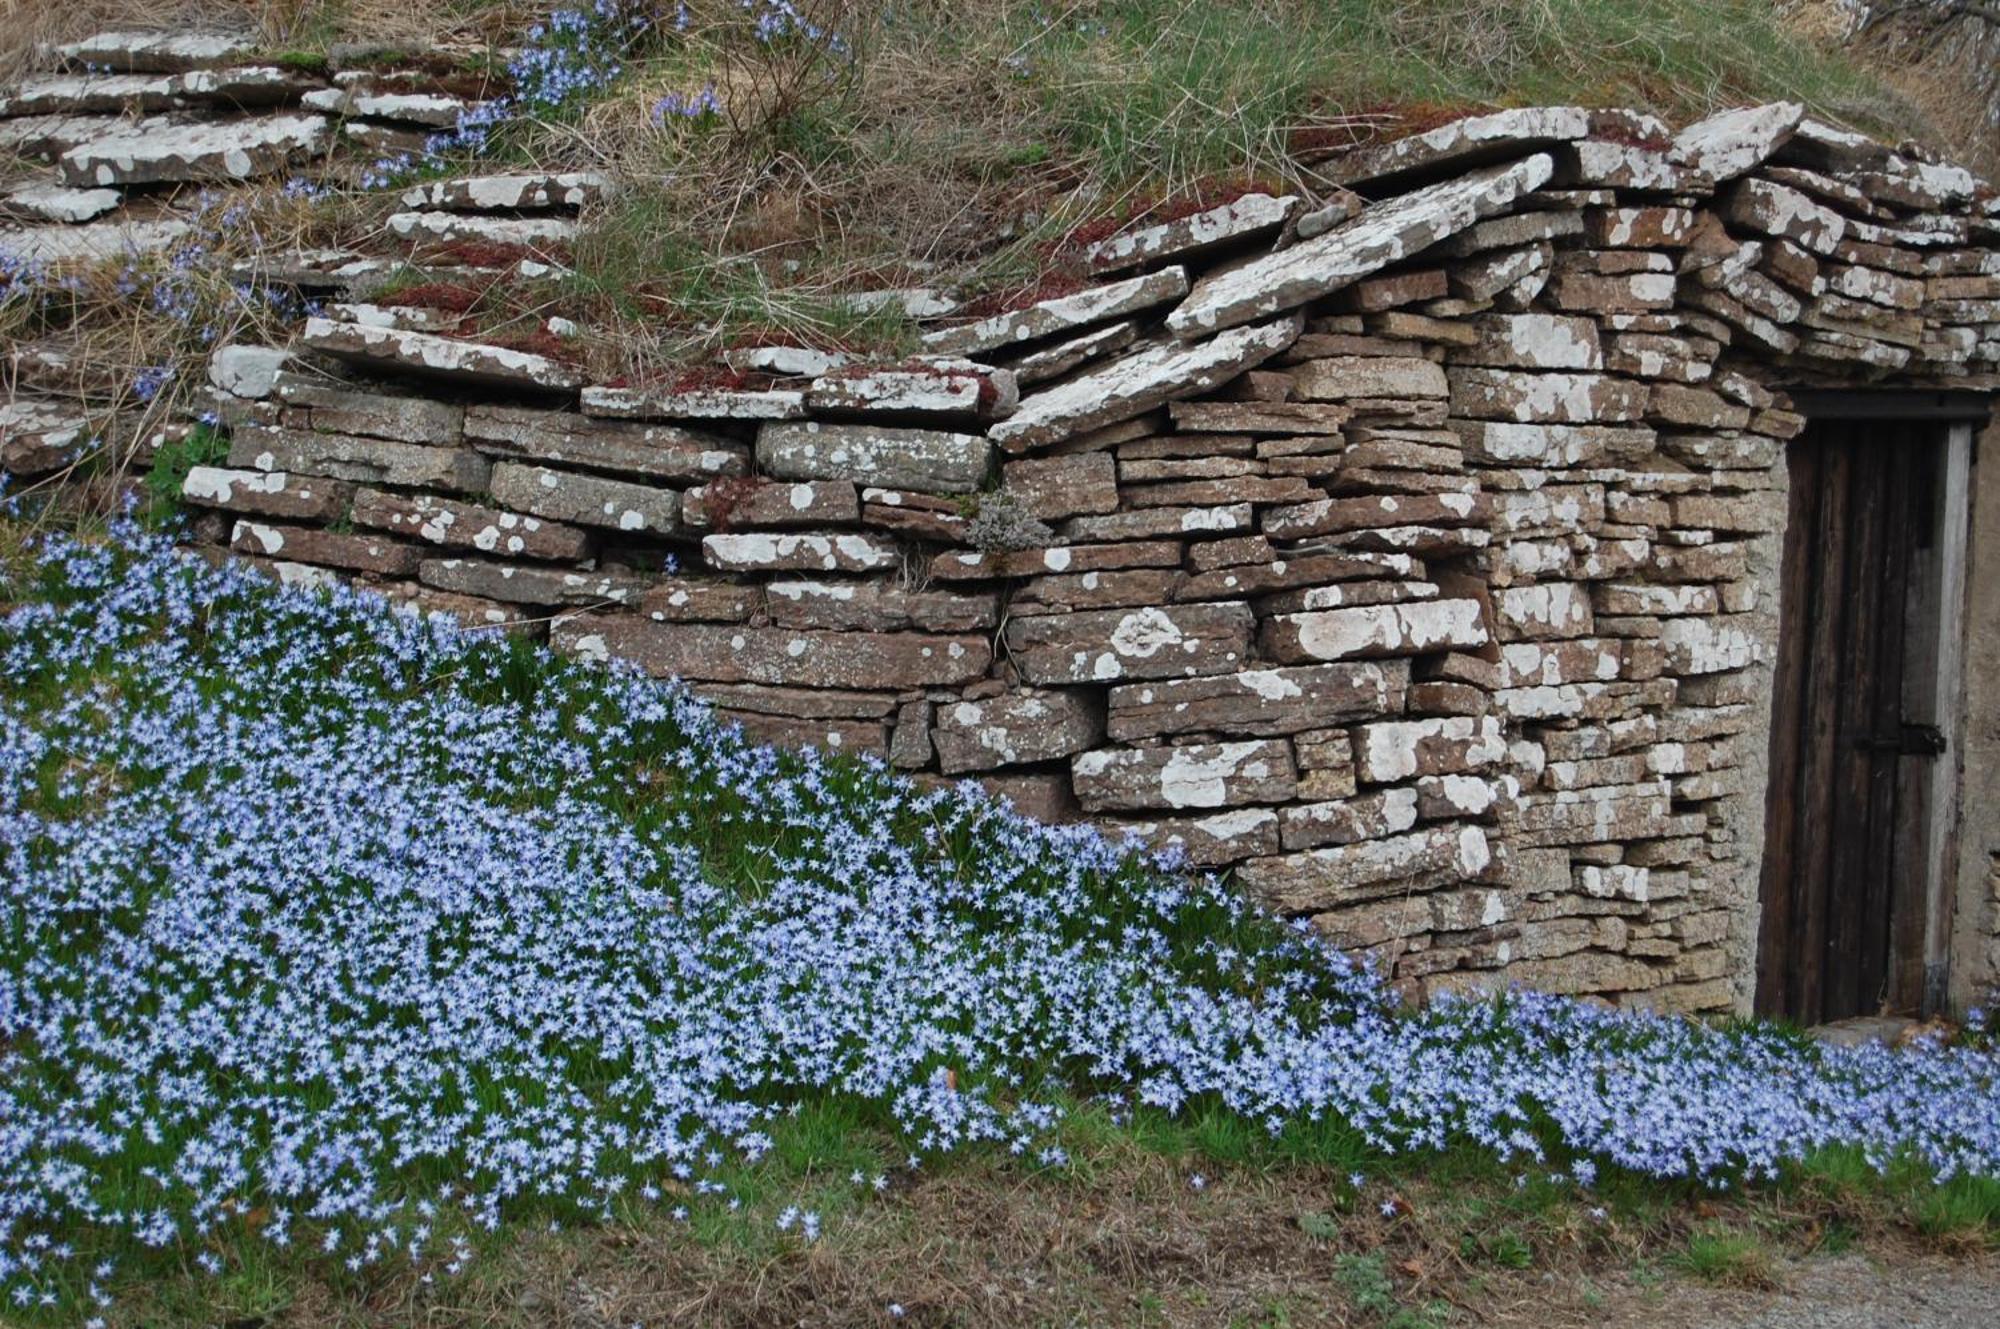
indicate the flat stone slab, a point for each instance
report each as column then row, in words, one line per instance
column 249, row 372
column 847, row 605
column 773, row 551
column 1546, row 398
column 1383, row 234
column 524, row 192
column 656, row 451
column 369, row 460
column 90, row 94
column 158, row 52
column 1326, row 878
column 50, row 135
column 517, row 583
column 1101, row 646
column 1374, row 630
column 530, row 232
column 173, row 149
column 1138, row 382
column 1259, row 702
column 1238, row 220
column 38, row 436
column 454, row 525
column 427, row 354
column 114, row 238
column 1780, row 210
column 1735, row 142
column 587, row 500
column 762, row 504
column 1058, row 359
column 781, row 657
column 926, row 460
column 429, row 109
column 267, row 493
column 958, row 389
column 1014, row 729
column 692, row 404
column 913, row 302
column 1474, row 141
column 1210, row 775
column 1063, row 314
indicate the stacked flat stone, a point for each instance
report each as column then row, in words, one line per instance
column 122, row 119
column 1410, row 553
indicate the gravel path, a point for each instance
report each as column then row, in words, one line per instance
column 1853, row 1292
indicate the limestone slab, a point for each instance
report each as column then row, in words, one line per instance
column 764, row 551
column 369, row 460
column 1139, row 381
column 429, row 355
column 656, row 451
column 172, row 149
column 1258, row 702
column 1383, row 234
column 522, row 192
column 726, row 653
column 1208, row 775
column 1102, row 646
column 587, row 500
column 454, row 525
column 1236, row 221
column 1063, row 314
column 1015, row 729
column 1373, row 630
column 925, row 460
column 267, row 493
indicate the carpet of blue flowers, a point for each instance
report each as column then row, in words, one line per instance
column 361, row 923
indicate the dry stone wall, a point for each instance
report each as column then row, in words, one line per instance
column 1409, row 551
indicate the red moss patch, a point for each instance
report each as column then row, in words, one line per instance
column 451, row 297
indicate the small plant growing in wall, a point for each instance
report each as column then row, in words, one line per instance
column 998, row 520
column 201, row 445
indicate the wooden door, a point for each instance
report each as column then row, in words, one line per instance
column 1846, row 827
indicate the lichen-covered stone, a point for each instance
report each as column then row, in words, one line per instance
column 761, row 551
column 587, row 500
column 430, row 355
column 1015, row 729
column 369, row 460
column 324, row 548
column 453, row 525
column 1373, row 630
column 1063, row 314
column 1257, row 702
column 778, row 656
column 171, row 149
column 655, row 451
column 1153, row 642
column 925, row 460
column 1236, row 221
column 1210, row 775
column 1138, row 382
column 1383, row 234
column 267, row 493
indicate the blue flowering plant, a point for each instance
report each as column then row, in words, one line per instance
column 341, row 931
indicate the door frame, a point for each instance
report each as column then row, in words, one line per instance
column 1936, row 626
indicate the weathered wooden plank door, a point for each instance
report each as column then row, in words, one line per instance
column 1846, row 815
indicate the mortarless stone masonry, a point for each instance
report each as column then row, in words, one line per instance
column 1415, row 561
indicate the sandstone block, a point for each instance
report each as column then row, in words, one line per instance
column 428, row 354
column 171, row 149
column 1015, row 729
column 1350, row 820
column 1373, row 630
column 587, row 500
column 1324, row 878
column 1551, row 398
column 1382, row 234
column 1151, row 642
column 1216, row 840
column 1260, row 702
column 783, row 657
column 876, row 606
column 764, row 504
column 1392, row 750
column 761, row 551
column 1239, row 220
column 1080, row 484
column 455, row 525
column 658, row 452
column 1211, row 775
column 267, row 493
column 1341, row 377
column 518, row 583
column 369, row 460
column 1136, row 383
column 1063, row 314
column 334, row 549
column 925, row 460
